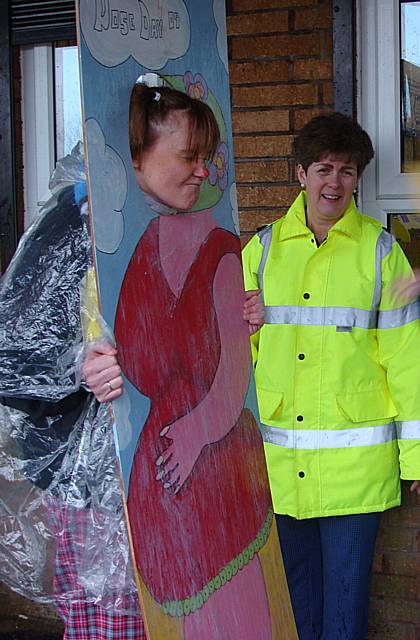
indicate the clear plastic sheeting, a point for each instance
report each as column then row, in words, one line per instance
column 63, row 536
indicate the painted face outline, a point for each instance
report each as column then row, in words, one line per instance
column 329, row 184
column 168, row 171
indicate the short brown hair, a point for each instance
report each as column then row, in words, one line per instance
column 334, row 134
column 150, row 107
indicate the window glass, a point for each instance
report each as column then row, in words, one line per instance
column 410, row 86
column 51, row 117
column 67, row 100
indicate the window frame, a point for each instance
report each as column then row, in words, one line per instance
column 384, row 188
column 8, row 218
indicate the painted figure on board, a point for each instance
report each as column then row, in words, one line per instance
column 198, row 517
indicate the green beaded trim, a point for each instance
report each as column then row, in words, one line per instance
column 180, row 608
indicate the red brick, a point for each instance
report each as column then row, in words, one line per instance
column 245, row 238
column 401, row 563
column 258, row 71
column 250, row 5
column 402, row 587
column 270, row 120
column 397, row 538
column 262, row 171
column 407, row 497
column 250, row 221
column 275, row 95
column 387, row 516
column 272, row 22
column 403, row 517
column 328, row 93
column 317, row 18
column 303, row 116
column 391, row 631
column 312, row 69
column 276, row 46
column 403, row 611
column 258, row 196
column 326, row 43
column 262, row 146
column 376, row 610
column 378, row 563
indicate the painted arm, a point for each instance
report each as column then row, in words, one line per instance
column 219, row 411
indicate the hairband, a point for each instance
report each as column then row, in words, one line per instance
column 157, row 96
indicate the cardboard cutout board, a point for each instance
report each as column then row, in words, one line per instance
column 200, row 515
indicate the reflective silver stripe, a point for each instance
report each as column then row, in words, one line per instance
column 265, row 236
column 342, row 316
column 328, row 439
column 408, row 429
column 321, row 316
column 399, row 317
column 383, row 248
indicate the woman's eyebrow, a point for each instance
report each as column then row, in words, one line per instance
column 323, row 164
column 330, row 165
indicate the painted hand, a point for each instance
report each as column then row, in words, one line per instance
column 102, row 373
column 178, row 459
column 253, row 311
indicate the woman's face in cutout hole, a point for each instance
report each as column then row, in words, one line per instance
column 168, row 171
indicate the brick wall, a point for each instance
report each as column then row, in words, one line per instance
column 395, row 600
column 280, row 76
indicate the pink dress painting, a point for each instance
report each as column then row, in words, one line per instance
column 182, row 342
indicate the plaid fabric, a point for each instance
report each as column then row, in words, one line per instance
column 84, row 619
column 92, row 622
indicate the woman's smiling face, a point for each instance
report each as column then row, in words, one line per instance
column 329, row 184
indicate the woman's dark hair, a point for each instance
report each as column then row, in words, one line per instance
column 334, row 134
column 151, row 107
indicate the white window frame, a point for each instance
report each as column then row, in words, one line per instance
column 384, row 188
column 37, row 125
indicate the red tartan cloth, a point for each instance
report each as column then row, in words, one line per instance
column 83, row 618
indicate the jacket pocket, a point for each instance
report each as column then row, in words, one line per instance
column 375, row 404
column 270, row 403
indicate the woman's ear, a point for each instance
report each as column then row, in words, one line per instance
column 301, row 174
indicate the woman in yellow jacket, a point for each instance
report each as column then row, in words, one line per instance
column 337, row 369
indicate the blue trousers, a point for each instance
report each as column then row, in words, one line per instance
column 328, row 563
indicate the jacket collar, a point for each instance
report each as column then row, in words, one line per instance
column 350, row 224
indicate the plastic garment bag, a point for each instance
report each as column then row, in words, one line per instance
column 62, row 529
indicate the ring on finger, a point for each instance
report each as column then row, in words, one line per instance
column 110, row 387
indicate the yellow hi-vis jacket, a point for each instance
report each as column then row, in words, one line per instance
column 337, row 365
